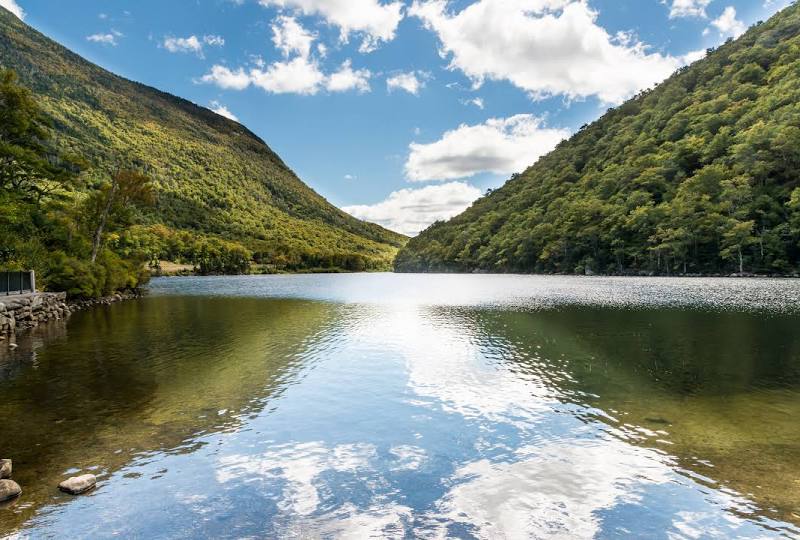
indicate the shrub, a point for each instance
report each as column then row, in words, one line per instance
column 83, row 279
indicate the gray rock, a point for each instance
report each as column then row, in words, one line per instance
column 78, row 484
column 5, row 468
column 9, row 489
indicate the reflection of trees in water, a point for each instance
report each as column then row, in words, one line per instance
column 30, row 341
column 145, row 376
column 724, row 386
column 679, row 352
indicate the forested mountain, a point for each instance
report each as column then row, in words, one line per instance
column 218, row 196
column 699, row 175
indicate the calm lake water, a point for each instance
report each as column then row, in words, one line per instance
column 408, row 406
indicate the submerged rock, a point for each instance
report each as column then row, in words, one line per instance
column 9, row 489
column 657, row 420
column 78, row 484
column 5, row 468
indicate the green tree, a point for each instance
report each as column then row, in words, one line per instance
column 29, row 169
column 111, row 206
column 736, row 236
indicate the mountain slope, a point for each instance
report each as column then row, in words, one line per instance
column 213, row 176
column 698, row 175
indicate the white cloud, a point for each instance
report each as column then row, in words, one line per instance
column 290, row 37
column 688, row 8
column 545, row 47
column 213, row 40
column 192, row 44
column 109, row 38
column 500, row 145
column 183, row 45
column 348, row 79
column 377, row 22
column 222, row 110
column 478, row 102
column 297, row 76
column 409, row 211
column 694, row 56
column 300, row 74
column 13, row 7
column 226, row 78
column 728, row 24
column 409, row 82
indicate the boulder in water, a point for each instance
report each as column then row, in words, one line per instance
column 9, row 489
column 78, row 484
column 5, row 468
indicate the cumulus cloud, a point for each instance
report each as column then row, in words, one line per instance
column 298, row 73
column 545, row 47
column 375, row 21
column 109, row 38
column 297, row 76
column 189, row 44
column 346, row 78
column 290, row 37
column 409, row 211
column 694, row 56
column 227, row 78
column 222, row 110
column 728, row 24
column 500, row 145
column 688, row 8
column 192, row 44
column 410, row 82
column 13, row 7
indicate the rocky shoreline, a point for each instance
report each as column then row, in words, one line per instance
column 21, row 312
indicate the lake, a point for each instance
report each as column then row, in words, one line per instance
column 412, row 406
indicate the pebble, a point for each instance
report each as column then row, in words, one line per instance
column 5, row 468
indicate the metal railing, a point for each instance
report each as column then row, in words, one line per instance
column 17, row 282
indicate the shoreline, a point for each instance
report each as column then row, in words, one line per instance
column 745, row 275
column 474, row 273
column 22, row 312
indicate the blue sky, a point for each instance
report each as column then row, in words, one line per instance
column 399, row 111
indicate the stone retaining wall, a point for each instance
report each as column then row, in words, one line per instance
column 28, row 310
column 23, row 311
